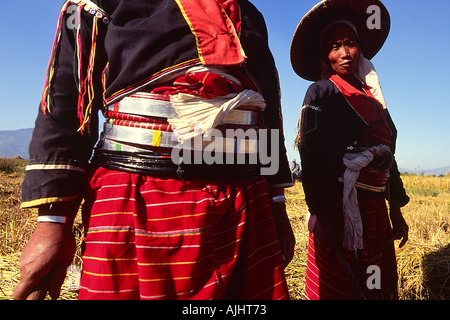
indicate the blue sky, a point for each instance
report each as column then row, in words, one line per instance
column 413, row 67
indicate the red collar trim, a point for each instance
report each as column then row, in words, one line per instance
column 215, row 25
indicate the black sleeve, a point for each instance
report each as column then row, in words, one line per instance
column 327, row 126
column 320, row 151
column 67, row 122
column 261, row 65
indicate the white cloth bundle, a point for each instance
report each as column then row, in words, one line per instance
column 367, row 74
column 353, row 228
column 196, row 115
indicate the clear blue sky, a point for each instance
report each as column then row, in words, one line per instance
column 413, row 66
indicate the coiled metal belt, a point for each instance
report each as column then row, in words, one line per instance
column 152, row 105
column 133, row 138
column 122, row 138
column 137, row 138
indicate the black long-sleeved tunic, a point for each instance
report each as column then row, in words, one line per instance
column 98, row 61
column 329, row 125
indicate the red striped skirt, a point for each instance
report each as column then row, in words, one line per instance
column 371, row 273
column 152, row 238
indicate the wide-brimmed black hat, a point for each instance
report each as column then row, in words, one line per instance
column 372, row 24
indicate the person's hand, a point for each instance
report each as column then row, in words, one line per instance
column 44, row 261
column 285, row 232
column 400, row 228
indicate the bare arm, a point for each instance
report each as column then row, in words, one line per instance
column 45, row 258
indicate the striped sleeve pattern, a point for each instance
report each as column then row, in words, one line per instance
column 150, row 238
column 47, row 183
column 66, row 126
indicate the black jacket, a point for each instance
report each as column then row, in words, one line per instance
column 141, row 41
column 328, row 126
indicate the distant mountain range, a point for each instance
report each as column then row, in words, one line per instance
column 15, row 143
column 429, row 172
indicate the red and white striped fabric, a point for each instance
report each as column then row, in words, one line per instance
column 326, row 277
column 151, row 238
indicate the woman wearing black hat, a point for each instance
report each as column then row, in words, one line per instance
column 346, row 140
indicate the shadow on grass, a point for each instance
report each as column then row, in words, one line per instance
column 436, row 269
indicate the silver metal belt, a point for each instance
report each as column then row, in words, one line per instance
column 122, row 138
column 111, row 145
column 147, row 104
column 139, row 136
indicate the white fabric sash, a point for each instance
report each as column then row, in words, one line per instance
column 353, row 228
column 196, row 115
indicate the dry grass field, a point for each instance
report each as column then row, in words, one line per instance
column 423, row 263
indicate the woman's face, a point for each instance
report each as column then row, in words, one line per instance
column 343, row 50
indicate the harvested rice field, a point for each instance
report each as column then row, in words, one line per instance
column 423, row 263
